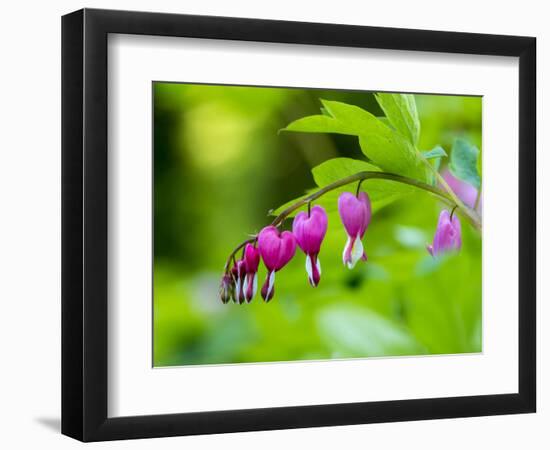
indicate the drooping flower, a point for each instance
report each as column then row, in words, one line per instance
column 251, row 260
column 355, row 212
column 238, row 273
column 464, row 191
column 447, row 235
column 226, row 288
column 276, row 249
column 310, row 231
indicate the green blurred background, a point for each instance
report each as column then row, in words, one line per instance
column 220, row 166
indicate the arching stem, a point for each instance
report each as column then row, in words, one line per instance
column 231, row 256
column 470, row 214
column 453, row 210
column 358, row 188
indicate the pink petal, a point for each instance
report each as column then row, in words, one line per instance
column 310, row 230
column 251, row 258
column 465, row 191
column 355, row 212
column 276, row 249
column 269, row 244
column 447, row 235
column 287, row 249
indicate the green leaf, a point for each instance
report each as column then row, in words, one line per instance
column 400, row 109
column 385, row 147
column 337, row 168
column 354, row 331
column 386, row 122
column 436, row 152
column 463, row 162
column 381, row 192
column 435, row 155
column 318, row 124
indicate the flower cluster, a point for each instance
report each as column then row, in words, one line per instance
column 277, row 248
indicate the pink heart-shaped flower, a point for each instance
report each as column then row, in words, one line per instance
column 276, row 249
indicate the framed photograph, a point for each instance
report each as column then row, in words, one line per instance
column 273, row 224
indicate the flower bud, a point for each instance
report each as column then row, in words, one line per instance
column 238, row 273
column 226, row 288
column 251, row 260
column 447, row 235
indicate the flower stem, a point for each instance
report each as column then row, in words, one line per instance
column 443, row 183
column 231, row 256
column 478, row 199
column 361, row 176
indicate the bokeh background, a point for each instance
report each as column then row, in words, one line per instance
column 220, row 165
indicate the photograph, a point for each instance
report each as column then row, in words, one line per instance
column 275, row 225
column 301, row 224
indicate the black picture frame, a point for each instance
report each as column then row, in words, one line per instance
column 84, row 224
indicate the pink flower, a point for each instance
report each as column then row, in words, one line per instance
column 355, row 212
column 238, row 273
column 276, row 249
column 464, row 191
column 252, row 260
column 310, row 231
column 447, row 235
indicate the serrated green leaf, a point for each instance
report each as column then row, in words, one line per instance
column 354, row 331
column 463, row 162
column 400, row 109
column 384, row 146
column 436, row 152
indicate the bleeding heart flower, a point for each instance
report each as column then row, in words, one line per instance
column 447, row 235
column 238, row 273
column 310, row 231
column 226, row 288
column 252, row 260
column 464, row 191
column 355, row 212
column 276, row 249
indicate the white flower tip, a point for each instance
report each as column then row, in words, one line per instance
column 353, row 252
column 313, row 280
column 271, row 283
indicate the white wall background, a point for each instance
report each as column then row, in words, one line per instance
column 30, row 226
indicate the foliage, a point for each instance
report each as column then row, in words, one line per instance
column 220, row 166
column 463, row 164
column 383, row 146
column 390, row 148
